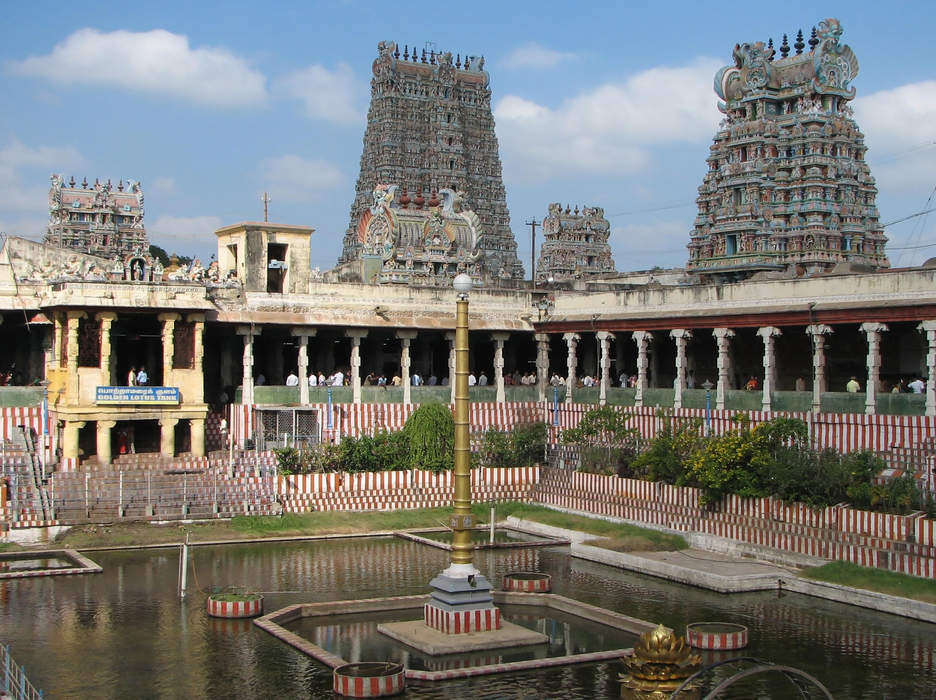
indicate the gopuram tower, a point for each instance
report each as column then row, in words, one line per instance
column 430, row 131
column 787, row 188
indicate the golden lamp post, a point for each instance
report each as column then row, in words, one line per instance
column 461, row 521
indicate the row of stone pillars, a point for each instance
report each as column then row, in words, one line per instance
column 104, row 428
column 768, row 334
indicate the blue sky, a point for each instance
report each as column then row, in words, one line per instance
column 601, row 104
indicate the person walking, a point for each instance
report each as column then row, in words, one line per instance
column 131, row 377
column 142, row 377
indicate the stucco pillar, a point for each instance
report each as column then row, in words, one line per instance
column 197, row 435
column 681, row 336
column 104, row 428
column 106, row 319
column 723, row 338
column 198, row 354
column 356, row 335
column 818, row 332
column 499, row 340
column 929, row 330
column 406, row 337
column 571, row 362
column 450, row 337
column 768, row 333
column 542, row 365
column 643, row 340
column 70, row 438
column 168, row 347
column 604, row 365
column 302, row 361
column 873, row 331
column 247, row 383
column 72, row 365
column 167, row 436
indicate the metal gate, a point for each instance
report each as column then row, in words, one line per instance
column 287, row 427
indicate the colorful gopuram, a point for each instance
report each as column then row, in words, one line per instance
column 575, row 245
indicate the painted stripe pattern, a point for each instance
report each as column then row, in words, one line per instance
column 700, row 638
column 351, row 686
column 236, row 608
column 462, row 621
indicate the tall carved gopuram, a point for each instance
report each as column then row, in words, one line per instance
column 575, row 244
column 97, row 219
column 430, row 128
column 788, row 188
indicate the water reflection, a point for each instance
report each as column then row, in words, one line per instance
column 123, row 633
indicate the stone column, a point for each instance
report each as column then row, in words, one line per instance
column 542, row 365
column 643, row 340
column 571, row 362
column 198, row 354
column 450, row 337
column 499, row 340
column 104, row 428
column 247, row 383
column 723, row 338
column 70, row 438
column 768, row 333
column 681, row 336
column 873, row 331
column 604, row 365
column 197, row 435
column 168, row 346
column 167, row 436
column 72, row 366
column 406, row 337
column 929, row 330
column 106, row 318
column 302, row 361
column 818, row 333
column 356, row 335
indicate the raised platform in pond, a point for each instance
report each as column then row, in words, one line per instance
column 504, row 538
column 52, row 562
column 419, row 635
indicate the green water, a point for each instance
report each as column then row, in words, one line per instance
column 124, row 633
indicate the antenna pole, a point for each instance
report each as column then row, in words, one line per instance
column 265, row 198
column 533, row 223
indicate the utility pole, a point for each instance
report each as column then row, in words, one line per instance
column 265, row 198
column 533, row 223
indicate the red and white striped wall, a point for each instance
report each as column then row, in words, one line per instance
column 462, row 621
column 31, row 417
column 348, row 682
column 716, row 636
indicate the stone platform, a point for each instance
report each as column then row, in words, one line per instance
column 419, row 635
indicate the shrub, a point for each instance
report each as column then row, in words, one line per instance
column 669, row 451
column 430, row 438
column 496, row 449
column 287, row 460
column 606, row 444
column 527, row 443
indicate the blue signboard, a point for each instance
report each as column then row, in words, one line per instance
column 137, row 394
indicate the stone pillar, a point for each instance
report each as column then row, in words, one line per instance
column 723, row 338
column 198, row 354
column 70, row 438
column 450, row 337
column 571, row 363
column 499, row 340
column 604, row 365
column 104, row 428
column 406, row 337
column 929, row 330
column 197, row 435
column 72, row 366
column 247, row 383
column 356, row 335
column 168, row 346
column 106, row 319
column 226, row 361
column 768, row 333
column 167, row 437
column 818, row 333
column 302, row 361
column 643, row 340
column 681, row 336
column 542, row 365
column 873, row 331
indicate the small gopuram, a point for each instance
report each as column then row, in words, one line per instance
column 416, row 241
column 787, row 188
column 98, row 219
column 575, row 244
column 430, row 128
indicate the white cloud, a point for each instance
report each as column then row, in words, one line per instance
column 25, row 171
column 164, row 185
column 156, row 61
column 900, row 132
column 194, row 230
column 297, row 179
column 326, row 94
column 611, row 128
column 532, row 55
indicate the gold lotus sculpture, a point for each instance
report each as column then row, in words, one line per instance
column 660, row 655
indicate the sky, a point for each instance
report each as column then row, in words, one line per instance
column 604, row 104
